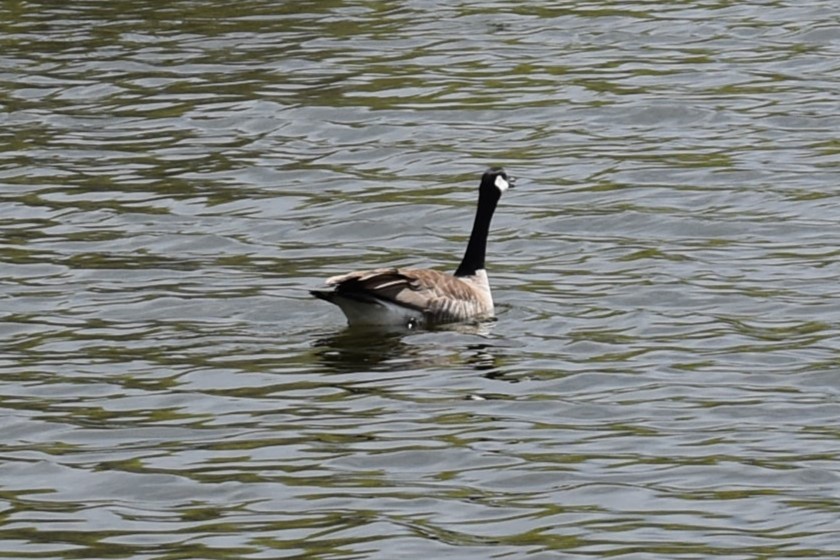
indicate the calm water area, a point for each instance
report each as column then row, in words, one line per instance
column 663, row 379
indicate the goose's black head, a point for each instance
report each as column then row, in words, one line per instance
column 493, row 183
column 497, row 181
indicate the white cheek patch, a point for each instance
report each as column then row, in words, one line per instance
column 501, row 183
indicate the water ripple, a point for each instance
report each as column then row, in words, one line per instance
column 661, row 379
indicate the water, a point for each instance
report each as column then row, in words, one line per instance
column 662, row 379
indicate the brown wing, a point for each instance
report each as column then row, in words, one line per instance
column 441, row 296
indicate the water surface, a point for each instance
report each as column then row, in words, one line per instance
column 662, row 379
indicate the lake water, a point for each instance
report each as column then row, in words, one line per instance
column 661, row 383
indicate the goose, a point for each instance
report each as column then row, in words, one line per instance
column 415, row 297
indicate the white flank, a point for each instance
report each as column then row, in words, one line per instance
column 381, row 313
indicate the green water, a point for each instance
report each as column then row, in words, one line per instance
column 662, row 378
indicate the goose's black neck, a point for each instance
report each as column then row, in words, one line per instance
column 473, row 259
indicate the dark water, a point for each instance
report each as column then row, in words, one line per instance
column 662, row 381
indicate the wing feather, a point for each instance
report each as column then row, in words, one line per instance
column 440, row 296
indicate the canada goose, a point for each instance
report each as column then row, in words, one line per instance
column 415, row 296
